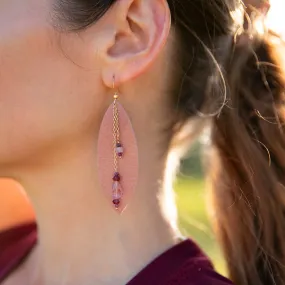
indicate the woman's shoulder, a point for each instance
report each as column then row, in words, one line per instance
column 194, row 274
column 183, row 264
column 196, row 269
column 15, row 245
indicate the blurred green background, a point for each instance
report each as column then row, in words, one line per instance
column 191, row 201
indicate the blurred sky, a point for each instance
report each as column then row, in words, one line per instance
column 276, row 16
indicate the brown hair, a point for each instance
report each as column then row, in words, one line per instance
column 234, row 80
column 249, row 175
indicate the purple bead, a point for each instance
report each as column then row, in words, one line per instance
column 116, row 176
column 116, row 202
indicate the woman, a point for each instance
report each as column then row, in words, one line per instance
column 97, row 96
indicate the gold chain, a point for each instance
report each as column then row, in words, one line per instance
column 116, row 130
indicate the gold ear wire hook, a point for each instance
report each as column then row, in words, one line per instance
column 114, row 81
column 116, row 92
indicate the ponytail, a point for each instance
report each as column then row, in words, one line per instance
column 248, row 129
column 248, row 178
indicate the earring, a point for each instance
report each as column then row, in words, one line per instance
column 117, row 190
column 117, row 155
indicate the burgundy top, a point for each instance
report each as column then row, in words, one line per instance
column 183, row 264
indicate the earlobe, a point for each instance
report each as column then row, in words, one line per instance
column 142, row 28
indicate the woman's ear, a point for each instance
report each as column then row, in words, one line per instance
column 141, row 28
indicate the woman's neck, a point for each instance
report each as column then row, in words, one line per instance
column 82, row 240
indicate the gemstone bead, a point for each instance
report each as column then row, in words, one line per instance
column 117, row 190
column 116, row 202
column 119, row 150
column 116, row 176
column 117, row 196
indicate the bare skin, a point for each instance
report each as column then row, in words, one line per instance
column 55, row 88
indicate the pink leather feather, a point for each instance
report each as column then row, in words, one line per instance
column 128, row 165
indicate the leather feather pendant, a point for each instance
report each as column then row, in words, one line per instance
column 118, row 186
